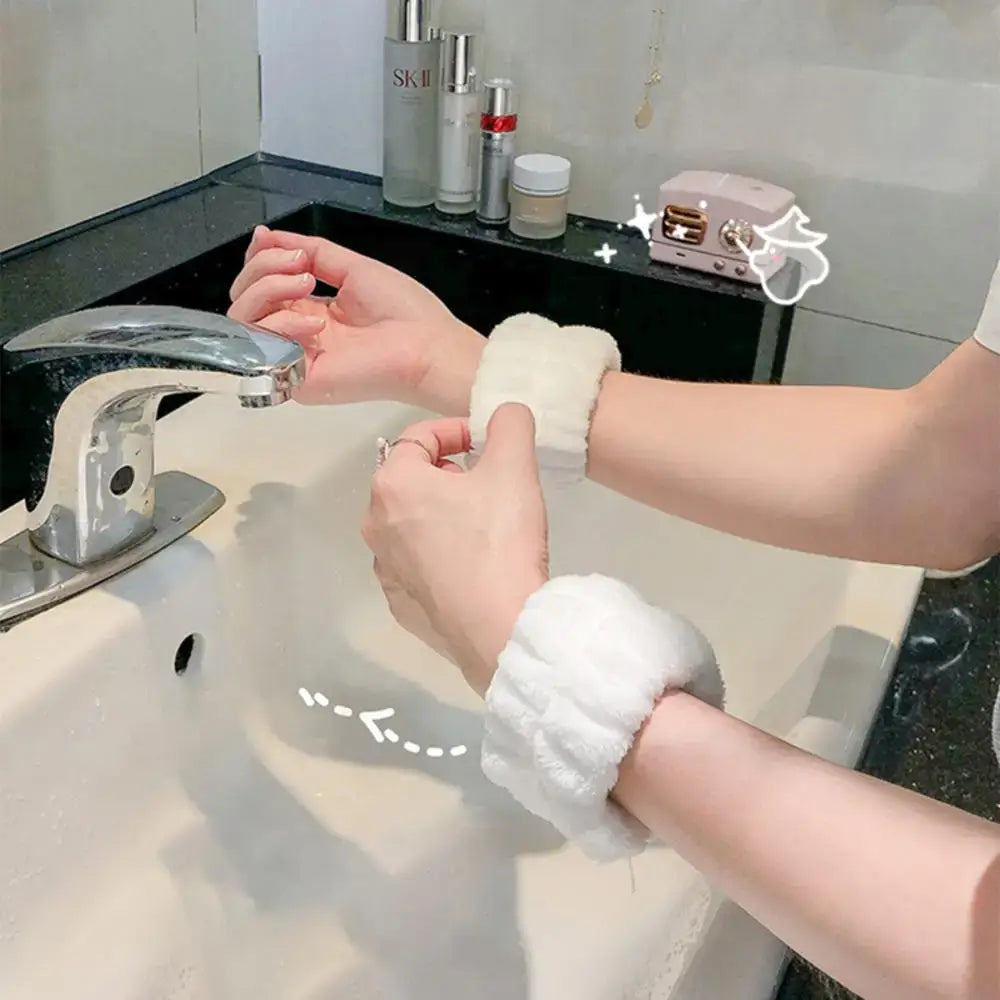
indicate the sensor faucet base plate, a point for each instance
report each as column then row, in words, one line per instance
column 31, row 581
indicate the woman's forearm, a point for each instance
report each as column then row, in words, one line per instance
column 896, row 896
column 867, row 474
column 909, row 477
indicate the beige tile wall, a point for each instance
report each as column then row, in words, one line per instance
column 104, row 102
column 883, row 116
column 321, row 70
column 831, row 350
column 227, row 59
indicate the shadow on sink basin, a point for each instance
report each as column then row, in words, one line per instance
column 260, row 852
column 359, row 682
column 270, row 868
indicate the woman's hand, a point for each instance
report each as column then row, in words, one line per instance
column 384, row 336
column 458, row 553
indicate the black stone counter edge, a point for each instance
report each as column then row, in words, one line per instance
column 115, row 214
column 90, row 262
column 100, row 257
column 362, row 193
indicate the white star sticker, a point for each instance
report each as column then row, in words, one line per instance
column 606, row 252
column 679, row 232
column 643, row 220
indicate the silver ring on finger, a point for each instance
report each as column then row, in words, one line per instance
column 384, row 447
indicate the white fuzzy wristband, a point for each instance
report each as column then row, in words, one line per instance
column 586, row 664
column 556, row 372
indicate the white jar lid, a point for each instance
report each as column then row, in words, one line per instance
column 542, row 173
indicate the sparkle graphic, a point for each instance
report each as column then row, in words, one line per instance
column 642, row 220
column 679, row 232
column 606, row 252
column 371, row 721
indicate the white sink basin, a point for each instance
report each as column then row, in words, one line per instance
column 213, row 836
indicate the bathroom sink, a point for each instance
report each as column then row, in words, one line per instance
column 228, row 774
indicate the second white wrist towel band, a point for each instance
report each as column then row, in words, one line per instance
column 587, row 663
column 589, row 658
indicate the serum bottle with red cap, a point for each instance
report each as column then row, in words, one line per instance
column 498, row 131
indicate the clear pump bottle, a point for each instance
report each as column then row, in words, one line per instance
column 412, row 68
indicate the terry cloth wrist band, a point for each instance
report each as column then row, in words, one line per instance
column 586, row 665
column 556, row 372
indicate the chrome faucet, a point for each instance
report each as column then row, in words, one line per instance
column 80, row 396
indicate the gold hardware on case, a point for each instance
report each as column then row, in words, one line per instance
column 734, row 232
column 684, row 225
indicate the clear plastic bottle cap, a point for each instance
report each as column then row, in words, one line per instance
column 542, row 173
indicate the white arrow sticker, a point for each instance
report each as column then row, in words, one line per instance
column 370, row 721
column 370, row 718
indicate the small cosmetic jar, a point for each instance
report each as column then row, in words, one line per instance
column 539, row 197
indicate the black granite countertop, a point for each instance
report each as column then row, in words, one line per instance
column 933, row 729
column 92, row 262
column 583, row 238
column 99, row 258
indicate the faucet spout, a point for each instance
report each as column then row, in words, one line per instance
column 80, row 397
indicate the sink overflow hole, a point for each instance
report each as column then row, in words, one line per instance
column 122, row 480
column 188, row 653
